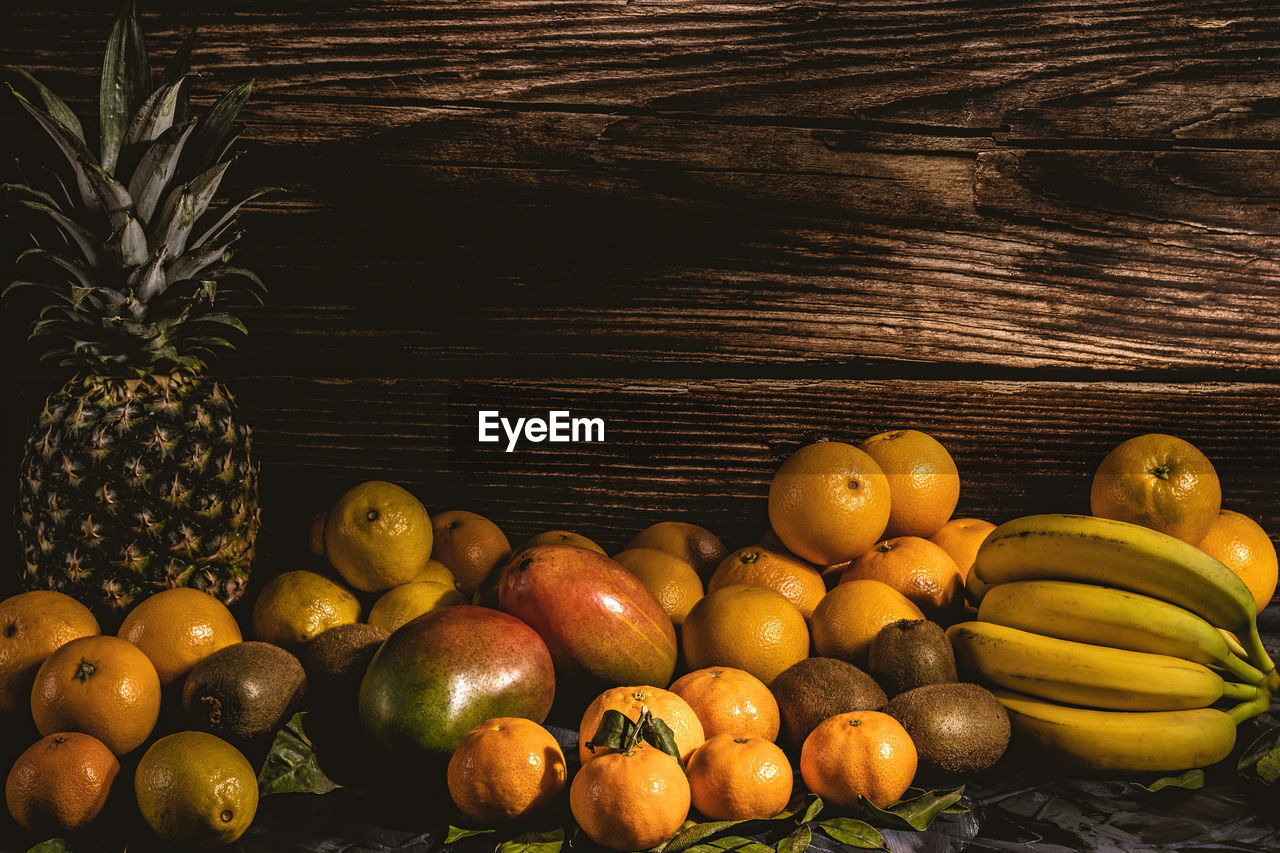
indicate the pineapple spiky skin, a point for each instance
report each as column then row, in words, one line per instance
column 132, row 486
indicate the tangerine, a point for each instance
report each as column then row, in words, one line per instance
column 177, row 628
column 730, row 701
column 785, row 574
column 60, row 783
column 506, row 769
column 859, row 754
column 746, row 627
column 630, row 800
column 915, row 567
column 847, row 620
column 924, row 485
column 739, row 777
column 32, row 626
column 1240, row 543
column 663, row 704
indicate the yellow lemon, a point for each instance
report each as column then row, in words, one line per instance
column 405, row 603
column 377, row 536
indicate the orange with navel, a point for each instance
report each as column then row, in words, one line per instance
column 697, row 546
column 630, row 800
column 730, row 701
column 178, row 628
column 918, row 569
column 924, row 485
column 470, row 545
column 103, row 686
column 672, row 582
column 60, row 783
column 663, row 704
column 847, row 620
column 1159, row 481
column 745, row 627
column 32, row 626
column 785, row 574
column 961, row 538
column 1240, row 543
column 829, row 503
column 739, row 777
column 859, row 754
column 506, row 769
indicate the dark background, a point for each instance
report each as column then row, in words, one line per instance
column 1031, row 229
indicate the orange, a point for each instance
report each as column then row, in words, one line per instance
column 924, row 485
column 847, row 620
column 746, row 627
column 1161, row 482
column 1243, row 546
column 470, row 545
column 787, row 575
column 562, row 537
column 858, row 754
column 32, row 626
column 296, row 606
column 61, row 783
column 918, row 569
column 506, row 769
column 739, row 778
column 730, row 701
column 696, row 545
column 663, row 704
column 829, row 503
column 377, row 535
column 961, row 538
column 409, row 601
column 672, row 581
column 315, row 534
column 178, row 628
column 103, row 686
column 630, row 801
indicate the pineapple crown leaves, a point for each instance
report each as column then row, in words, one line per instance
column 139, row 275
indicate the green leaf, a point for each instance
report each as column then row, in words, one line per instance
column 290, row 766
column 77, row 233
column 126, row 82
column 115, row 199
column 457, row 833
column 53, row 845
column 156, row 169
column 217, row 126
column 812, row 811
column 1261, row 761
column 71, row 147
column 534, row 842
column 692, row 833
column 730, row 842
column 612, row 733
column 213, row 232
column 197, row 259
column 855, row 833
column 221, row 319
column 55, row 106
column 915, row 813
column 127, row 245
column 660, row 735
column 149, row 281
column 179, row 67
column 796, row 842
column 1190, row 779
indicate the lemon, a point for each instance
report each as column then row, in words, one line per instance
column 436, row 572
column 404, row 603
column 378, row 536
column 194, row 788
column 296, row 606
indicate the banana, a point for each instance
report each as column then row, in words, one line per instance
column 1127, row 741
column 1114, row 553
column 1111, row 617
column 1085, row 674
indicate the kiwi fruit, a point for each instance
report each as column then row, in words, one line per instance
column 335, row 661
column 814, row 689
column 244, row 692
column 957, row 728
column 911, row 653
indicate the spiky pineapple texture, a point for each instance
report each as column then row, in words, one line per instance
column 138, row 475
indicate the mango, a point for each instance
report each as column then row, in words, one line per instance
column 442, row 674
column 603, row 628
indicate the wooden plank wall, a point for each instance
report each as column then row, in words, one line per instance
column 1032, row 229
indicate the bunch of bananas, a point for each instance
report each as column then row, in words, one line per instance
column 1109, row 643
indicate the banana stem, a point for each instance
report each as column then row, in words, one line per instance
column 1240, row 669
column 1246, row 692
column 1233, row 644
column 1272, row 681
column 1251, row 708
column 1258, row 654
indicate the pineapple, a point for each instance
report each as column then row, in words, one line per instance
column 138, row 475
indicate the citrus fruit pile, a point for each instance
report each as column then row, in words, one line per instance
column 702, row 681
